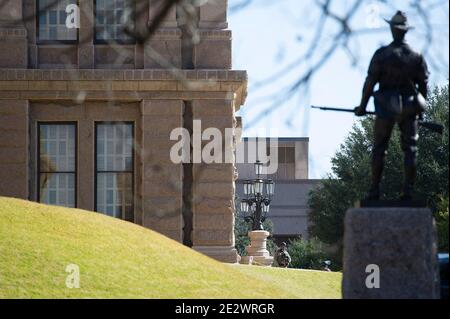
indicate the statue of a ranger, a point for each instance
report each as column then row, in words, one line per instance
column 402, row 76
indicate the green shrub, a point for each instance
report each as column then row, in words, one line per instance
column 442, row 225
column 307, row 254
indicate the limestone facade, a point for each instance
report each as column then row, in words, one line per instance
column 81, row 82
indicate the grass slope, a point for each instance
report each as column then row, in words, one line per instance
column 123, row 260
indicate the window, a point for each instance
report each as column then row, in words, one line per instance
column 114, row 169
column 290, row 155
column 51, row 25
column 111, row 17
column 57, row 163
column 286, row 163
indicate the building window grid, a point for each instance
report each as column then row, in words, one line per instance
column 111, row 16
column 52, row 22
column 286, row 163
column 114, row 169
column 57, row 164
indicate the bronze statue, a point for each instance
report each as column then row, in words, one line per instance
column 402, row 75
column 282, row 256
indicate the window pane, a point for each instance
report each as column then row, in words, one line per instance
column 282, row 155
column 114, row 193
column 290, row 155
column 43, row 33
column 57, row 148
column 52, row 17
column 112, row 16
column 114, row 147
column 62, row 17
column 57, row 189
column 57, row 171
column 52, row 21
column 43, row 18
column 100, row 18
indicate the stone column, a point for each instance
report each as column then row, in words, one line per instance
column 170, row 21
column 14, row 148
column 163, row 50
column 213, row 186
column 213, row 15
column 162, row 187
column 13, row 36
column 142, row 9
column 390, row 253
column 214, row 49
column 86, row 35
column 29, row 11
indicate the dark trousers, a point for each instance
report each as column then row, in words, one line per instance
column 409, row 136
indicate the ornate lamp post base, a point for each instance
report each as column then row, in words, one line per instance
column 257, row 250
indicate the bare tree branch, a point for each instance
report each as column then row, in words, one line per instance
column 333, row 31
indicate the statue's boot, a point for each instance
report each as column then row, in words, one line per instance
column 408, row 186
column 374, row 193
column 377, row 171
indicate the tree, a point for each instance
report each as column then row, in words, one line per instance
column 350, row 179
column 442, row 225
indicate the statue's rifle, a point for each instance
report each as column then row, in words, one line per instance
column 434, row 127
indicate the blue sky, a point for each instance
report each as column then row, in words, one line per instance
column 270, row 34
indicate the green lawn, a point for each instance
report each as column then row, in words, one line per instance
column 123, row 260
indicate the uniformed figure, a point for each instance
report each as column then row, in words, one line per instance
column 402, row 76
column 282, row 256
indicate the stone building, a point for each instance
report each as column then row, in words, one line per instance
column 289, row 208
column 86, row 114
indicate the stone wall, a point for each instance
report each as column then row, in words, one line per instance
column 13, row 35
column 14, row 148
column 214, row 188
column 213, row 51
column 84, row 75
column 155, row 101
column 162, row 179
column 85, row 114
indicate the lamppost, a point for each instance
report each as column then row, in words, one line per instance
column 255, row 206
column 259, row 193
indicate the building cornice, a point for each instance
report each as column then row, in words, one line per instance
column 123, row 84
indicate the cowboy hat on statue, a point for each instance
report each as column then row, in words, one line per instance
column 399, row 21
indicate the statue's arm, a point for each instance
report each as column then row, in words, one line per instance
column 423, row 76
column 371, row 80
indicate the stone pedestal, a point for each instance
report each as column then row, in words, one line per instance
column 390, row 253
column 257, row 251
